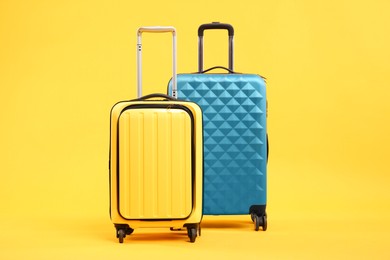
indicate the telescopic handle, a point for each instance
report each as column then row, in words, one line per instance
column 215, row 26
column 156, row 29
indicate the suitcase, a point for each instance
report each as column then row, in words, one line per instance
column 156, row 159
column 235, row 135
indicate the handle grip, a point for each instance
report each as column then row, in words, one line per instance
column 156, row 29
column 156, row 95
column 161, row 29
column 216, row 25
column 213, row 26
column 217, row 67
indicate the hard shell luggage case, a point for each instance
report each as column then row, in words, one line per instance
column 156, row 159
column 235, row 135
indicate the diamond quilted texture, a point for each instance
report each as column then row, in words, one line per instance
column 234, row 117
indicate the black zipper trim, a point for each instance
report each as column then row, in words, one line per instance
column 193, row 157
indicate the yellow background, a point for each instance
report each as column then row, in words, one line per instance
column 63, row 64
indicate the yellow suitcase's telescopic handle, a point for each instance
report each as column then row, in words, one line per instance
column 156, row 29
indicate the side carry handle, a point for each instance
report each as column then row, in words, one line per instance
column 217, row 67
column 156, row 95
column 156, row 29
column 215, row 26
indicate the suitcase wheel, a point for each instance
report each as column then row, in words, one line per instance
column 121, row 235
column 192, row 233
column 259, row 221
column 121, row 232
column 264, row 217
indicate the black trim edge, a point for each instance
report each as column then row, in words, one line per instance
column 193, row 165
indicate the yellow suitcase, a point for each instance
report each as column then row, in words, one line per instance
column 156, row 160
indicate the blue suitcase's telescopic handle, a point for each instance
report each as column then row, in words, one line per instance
column 214, row 26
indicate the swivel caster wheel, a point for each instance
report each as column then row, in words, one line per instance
column 260, row 222
column 256, row 222
column 192, row 234
column 264, row 222
column 121, row 234
column 122, row 231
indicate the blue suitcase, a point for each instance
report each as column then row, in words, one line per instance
column 235, row 135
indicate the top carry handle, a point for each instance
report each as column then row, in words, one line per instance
column 213, row 26
column 156, row 29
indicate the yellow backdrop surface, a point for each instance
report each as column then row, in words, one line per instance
column 63, row 64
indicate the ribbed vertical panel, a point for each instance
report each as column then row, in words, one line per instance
column 155, row 178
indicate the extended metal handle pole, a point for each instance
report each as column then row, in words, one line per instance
column 156, row 29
